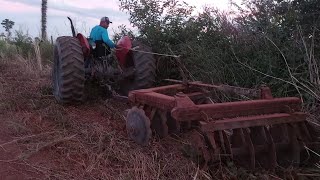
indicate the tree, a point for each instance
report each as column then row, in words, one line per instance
column 276, row 37
column 44, row 8
column 7, row 24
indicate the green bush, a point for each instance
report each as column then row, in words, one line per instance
column 23, row 43
column 266, row 43
column 46, row 49
column 7, row 50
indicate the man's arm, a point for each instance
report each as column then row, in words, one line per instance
column 105, row 38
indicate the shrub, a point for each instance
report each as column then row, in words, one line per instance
column 266, row 42
column 23, row 43
column 46, row 49
column 7, row 50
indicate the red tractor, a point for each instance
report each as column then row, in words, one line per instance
column 131, row 66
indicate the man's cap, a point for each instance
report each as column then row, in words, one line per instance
column 105, row 19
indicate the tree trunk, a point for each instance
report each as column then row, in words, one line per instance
column 44, row 19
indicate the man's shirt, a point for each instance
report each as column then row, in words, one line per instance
column 100, row 33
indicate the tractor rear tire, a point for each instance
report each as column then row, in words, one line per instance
column 68, row 71
column 145, row 69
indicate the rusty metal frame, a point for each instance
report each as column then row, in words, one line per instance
column 247, row 119
column 182, row 107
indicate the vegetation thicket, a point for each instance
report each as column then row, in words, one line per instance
column 273, row 42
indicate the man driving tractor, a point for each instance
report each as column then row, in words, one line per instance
column 99, row 38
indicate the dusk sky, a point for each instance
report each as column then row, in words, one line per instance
column 26, row 14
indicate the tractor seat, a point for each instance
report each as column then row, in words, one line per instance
column 99, row 49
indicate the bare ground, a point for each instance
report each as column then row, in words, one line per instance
column 40, row 139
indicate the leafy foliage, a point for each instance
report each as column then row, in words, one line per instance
column 7, row 51
column 7, row 24
column 23, row 43
column 270, row 42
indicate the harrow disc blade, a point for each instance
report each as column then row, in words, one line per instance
column 265, row 146
column 138, row 126
column 159, row 124
column 197, row 148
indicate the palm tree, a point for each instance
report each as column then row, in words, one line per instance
column 44, row 8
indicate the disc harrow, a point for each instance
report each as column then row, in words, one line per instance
column 260, row 132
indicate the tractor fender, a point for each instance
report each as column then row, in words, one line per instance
column 124, row 45
column 84, row 44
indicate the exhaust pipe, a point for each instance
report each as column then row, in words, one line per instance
column 72, row 28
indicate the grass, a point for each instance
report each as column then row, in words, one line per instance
column 75, row 142
column 42, row 139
